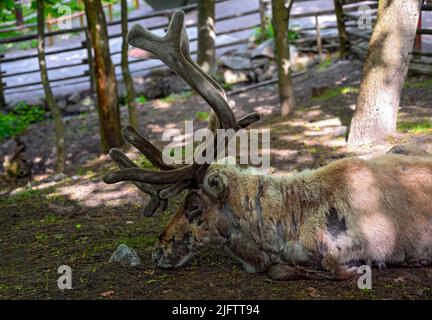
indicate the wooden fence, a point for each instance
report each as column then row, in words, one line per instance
column 358, row 39
column 314, row 38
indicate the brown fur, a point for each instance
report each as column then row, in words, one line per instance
column 316, row 224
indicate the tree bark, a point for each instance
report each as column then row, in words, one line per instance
column 343, row 37
column 19, row 18
column 263, row 18
column 106, row 85
column 127, row 79
column 280, row 26
column 2, row 97
column 206, row 35
column 384, row 71
column 49, row 97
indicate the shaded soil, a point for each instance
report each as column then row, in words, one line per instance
column 79, row 221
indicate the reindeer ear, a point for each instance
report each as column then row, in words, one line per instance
column 215, row 186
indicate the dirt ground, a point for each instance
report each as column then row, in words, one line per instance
column 79, row 221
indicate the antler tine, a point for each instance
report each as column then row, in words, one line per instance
column 151, row 177
column 155, row 202
column 153, row 154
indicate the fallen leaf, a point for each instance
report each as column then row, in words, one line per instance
column 107, row 293
column 313, row 292
column 399, row 279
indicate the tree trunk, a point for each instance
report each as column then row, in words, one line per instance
column 127, row 79
column 206, row 35
column 18, row 14
column 49, row 97
column 384, row 72
column 106, row 85
column 343, row 37
column 263, row 19
column 280, row 26
column 2, row 97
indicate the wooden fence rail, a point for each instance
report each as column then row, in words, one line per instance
column 359, row 39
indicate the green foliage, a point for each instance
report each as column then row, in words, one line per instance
column 270, row 34
column 422, row 84
column 15, row 122
column 335, row 92
column 201, row 115
column 141, row 99
column 173, row 97
column 145, row 163
column 325, row 64
column 27, row 195
column 421, row 126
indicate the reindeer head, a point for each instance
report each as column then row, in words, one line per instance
column 196, row 222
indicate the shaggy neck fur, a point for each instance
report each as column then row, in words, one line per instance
column 265, row 214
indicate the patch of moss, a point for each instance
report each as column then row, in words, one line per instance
column 335, row 92
column 201, row 115
column 145, row 163
column 35, row 196
column 138, row 242
column 174, row 97
column 419, row 84
column 417, row 127
column 325, row 64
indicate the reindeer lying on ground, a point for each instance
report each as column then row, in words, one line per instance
column 318, row 224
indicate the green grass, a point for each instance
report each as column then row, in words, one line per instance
column 423, row 84
column 335, row 92
column 145, row 163
column 174, row 97
column 16, row 121
column 138, row 242
column 25, row 196
column 325, row 64
column 421, row 126
column 141, row 99
column 201, row 115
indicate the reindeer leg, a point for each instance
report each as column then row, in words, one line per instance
column 287, row 272
column 294, row 272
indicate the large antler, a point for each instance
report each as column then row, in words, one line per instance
column 173, row 50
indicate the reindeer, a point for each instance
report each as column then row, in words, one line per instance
column 317, row 224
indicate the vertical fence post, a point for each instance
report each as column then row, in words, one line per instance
column 2, row 98
column 418, row 38
column 263, row 8
column 110, row 12
column 318, row 38
column 137, row 4
column 51, row 38
column 343, row 37
column 90, row 60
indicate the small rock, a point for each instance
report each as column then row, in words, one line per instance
column 87, row 102
column 125, row 256
column 58, row 177
column 260, row 62
column 233, row 76
column 74, row 98
column 235, row 62
column 340, row 131
column 265, row 49
column 107, row 293
column 62, row 104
